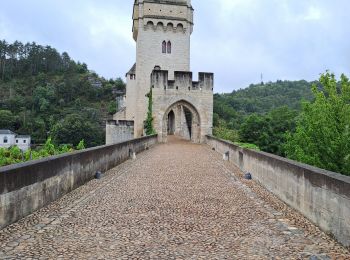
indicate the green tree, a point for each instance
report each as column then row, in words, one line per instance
column 149, row 119
column 323, row 129
column 15, row 155
column 226, row 134
column 119, row 84
column 112, row 107
column 7, row 120
column 268, row 131
column 40, row 87
column 49, row 148
column 81, row 145
column 252, row 129
column 280, row 121
column 74, row 128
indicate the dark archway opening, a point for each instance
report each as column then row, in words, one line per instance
column 189, row 119
column 171, row 123
column 181, row 119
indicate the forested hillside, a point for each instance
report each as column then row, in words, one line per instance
column 303, row 121
column 261, row 99
column 45, row 93
column 63, row 106
column 261, row 114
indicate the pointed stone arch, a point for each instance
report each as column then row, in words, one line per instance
column 171, row 123
column 186, row 121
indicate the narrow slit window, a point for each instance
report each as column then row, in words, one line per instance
column 169, row 47
column 164, row 47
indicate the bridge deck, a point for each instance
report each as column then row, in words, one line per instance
column 175, row 201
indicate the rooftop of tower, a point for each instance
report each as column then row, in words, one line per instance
column 182, row 2
column 186, row 14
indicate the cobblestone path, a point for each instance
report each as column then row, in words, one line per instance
column 175, row 201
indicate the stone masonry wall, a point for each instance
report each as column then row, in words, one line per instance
column 25, row 188
column 119, row 131
column 149, row 54
column 131, row 97
column 197, row 96
column 322, row 196
column 155, row 22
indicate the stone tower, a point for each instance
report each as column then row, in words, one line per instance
column 162, row 30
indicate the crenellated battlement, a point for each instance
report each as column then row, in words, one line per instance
column 183, row 80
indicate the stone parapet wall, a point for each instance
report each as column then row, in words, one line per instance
column 119, row 131
column 321, row 196
column 27, row 187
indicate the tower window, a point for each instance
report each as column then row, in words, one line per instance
column 169, row 47
column 164, row 47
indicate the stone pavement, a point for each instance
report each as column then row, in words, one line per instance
column 175, row 201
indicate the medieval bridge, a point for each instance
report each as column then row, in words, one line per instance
column 173, row 201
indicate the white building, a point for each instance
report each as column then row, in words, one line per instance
column 9, row 138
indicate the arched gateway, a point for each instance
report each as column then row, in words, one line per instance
column 181, row 106
column 181, row 119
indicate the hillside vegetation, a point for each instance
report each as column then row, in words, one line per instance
column 307, row 122
column 63, row 106
column 261, row 114
column 45, row 93
column 260, row 99
column 322, row 135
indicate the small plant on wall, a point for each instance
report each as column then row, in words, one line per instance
column 149, row 119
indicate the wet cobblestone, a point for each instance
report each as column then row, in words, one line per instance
column 175, row 201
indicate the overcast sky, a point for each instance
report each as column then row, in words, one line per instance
column 236, row 39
